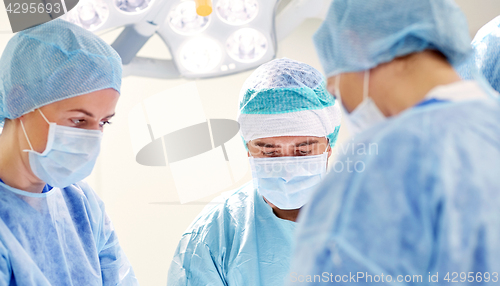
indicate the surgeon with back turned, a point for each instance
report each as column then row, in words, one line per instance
column 425, row 208
column 59, row 85
column 288, row 122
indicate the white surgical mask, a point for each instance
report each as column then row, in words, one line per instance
column 69, row 156
column 366, row 114
column 288, row 182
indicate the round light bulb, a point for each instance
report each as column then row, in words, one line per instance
column 246, row 45
column 237, row 12
column 200, row 55
column 184, row 20
column 132, row 6
column 135, row 3
column 89, row 14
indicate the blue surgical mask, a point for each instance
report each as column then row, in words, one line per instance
column 69, row 156
column 366, row 114
column 288, row 182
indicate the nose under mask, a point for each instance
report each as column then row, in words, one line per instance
column 288, row 182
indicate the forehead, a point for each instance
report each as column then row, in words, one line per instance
column 288, row 140
column 101, row 100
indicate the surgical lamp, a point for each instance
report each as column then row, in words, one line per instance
column 237, row 35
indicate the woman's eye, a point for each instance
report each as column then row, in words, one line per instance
column 272, row 153
column 105, row 122
column 77, row 121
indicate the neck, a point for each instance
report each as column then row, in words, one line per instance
column 284, row 214
column 15, row 170
column 412, row 79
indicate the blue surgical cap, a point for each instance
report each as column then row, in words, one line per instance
column 287, row 98
column 51, row 62
column 486, row 58
column 358, row 35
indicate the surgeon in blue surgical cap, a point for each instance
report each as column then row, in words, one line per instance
column 486, row 58
column 59, row 85
column 424, row 206
column 288, row 122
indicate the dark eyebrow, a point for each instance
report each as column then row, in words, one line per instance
column 266, row 145
column 307, row 143
column 89, row 113
column 83, row 111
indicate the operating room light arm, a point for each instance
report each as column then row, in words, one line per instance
column 153, row 68
column 296, row 12
column 134, row 37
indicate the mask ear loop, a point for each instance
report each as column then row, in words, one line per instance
column 24, row 129
column 327, row 145
column 46, row 120
column 366, row 85
column 26, row 134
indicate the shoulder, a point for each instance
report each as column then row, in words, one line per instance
column 219, row 229
column 83, row 190
column 224, row 213
column 414, row 146
column 430, row 126
column 391, row 139
column 82, row 197
column 400, row 147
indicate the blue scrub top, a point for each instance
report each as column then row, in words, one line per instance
column 424, row 199
column 236, row 240
column 429, row 102
column 60, row 237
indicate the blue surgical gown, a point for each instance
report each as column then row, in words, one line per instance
column 236, row 240
column 424, row 199
column 59, row 237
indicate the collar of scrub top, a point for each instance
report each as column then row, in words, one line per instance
column 458, row 91
column 46, row 188
column 429, row 102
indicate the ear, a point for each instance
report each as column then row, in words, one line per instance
column 329, row 151
column 248, row 154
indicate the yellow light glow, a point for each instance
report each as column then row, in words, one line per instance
column 203, row 7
